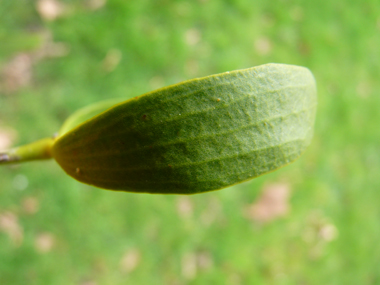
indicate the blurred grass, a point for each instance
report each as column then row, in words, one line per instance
column 127, row 48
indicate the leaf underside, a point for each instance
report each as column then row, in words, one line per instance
column 200, row 135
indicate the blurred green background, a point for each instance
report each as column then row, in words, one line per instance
column 316, row 221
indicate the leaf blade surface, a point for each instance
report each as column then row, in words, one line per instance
column 196, row 136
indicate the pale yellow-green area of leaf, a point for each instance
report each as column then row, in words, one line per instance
column 86, row 113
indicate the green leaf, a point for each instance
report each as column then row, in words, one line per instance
column 200, row 135
column 86, row 113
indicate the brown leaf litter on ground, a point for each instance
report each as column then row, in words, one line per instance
column 272, row 204
column 7, row 138
column 18, row 71
column 44, row 242
column 50, row 10
column 130, row 260
column 9, row 224
column 193, row 262
column 30, row 205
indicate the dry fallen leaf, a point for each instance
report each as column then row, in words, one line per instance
column 204, row 260
column 189, row 265
column 17, row 73
column 7, row 138
column 30, row 205
column 317, row 232
column 192, row 262
column 328, row 232
column 130, row 260
column 44, row 242
column 95, row 4
column 51, row 49
column 319, row 228
column 10, row 225
column 272, row 203
column 50, row 9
